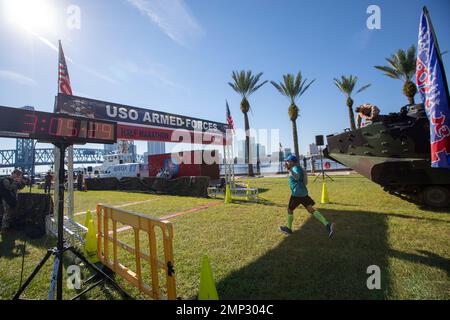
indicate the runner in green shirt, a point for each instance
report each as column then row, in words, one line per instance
column 299, row 195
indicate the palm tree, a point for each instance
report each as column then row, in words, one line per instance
column 293, row 87
column 347, row 85
column 245, row 83
column 402, row 66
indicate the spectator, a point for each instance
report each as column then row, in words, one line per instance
column 80, row 181
column 8, row 196
column 48, row 182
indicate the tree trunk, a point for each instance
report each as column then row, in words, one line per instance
column 351, row 116
column 294, row 134
column 247, row 146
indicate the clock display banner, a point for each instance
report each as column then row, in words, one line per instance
column 52, row 127
column 129, row 115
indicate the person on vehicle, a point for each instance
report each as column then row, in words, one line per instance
column 368, row 112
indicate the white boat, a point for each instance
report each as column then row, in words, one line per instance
column 109, row 160
column 126, row 170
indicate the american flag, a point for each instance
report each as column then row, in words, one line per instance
column 229, row 118
column 63, row 74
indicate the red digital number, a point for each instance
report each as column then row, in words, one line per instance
column 63, row 127
column 91, row 130
column 69, row 128
column 29, row 125
column 55, row 127
column 83, row 129
column 107, row 131
column 98, row 130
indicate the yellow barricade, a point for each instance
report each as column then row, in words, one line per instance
column 108, row 219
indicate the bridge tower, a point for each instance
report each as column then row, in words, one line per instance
column 25, row 152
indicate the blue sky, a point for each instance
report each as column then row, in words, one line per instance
column 177, row 56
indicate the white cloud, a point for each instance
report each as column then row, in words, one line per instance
column 87, row 69
column 97, row 74
column 156, row 73
column 172, row 17
column 47, row 42
column 17, row 77
column 152, row 70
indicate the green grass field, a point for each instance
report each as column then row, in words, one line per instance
column 251, row 259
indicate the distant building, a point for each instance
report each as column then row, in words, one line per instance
column 313, row 150
column 241, row 150
column 132, row 149
column 253, row 150
column 110, row 148
column 275, row 157
column 261, row 152
column 154, row 147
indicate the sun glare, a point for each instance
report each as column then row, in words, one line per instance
column 32, row 15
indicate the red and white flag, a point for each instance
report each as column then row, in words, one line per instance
column 229, row 118
column 63, row 74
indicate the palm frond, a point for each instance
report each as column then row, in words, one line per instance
column 245, row 83
column 257, row 87
column 306, row 88
column 278, row 87
column 339, row 85
column 347, row 84
column 292, row 86
column 363, row 88
column 298, row 79
column 389, row 71
column 401, row 65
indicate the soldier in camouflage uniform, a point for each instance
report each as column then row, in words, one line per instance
column 8, row 196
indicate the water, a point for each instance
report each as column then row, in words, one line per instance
column 240, row 169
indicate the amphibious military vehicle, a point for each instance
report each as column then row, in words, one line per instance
column 395, row 153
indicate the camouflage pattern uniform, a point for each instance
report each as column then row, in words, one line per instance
column 8, row 198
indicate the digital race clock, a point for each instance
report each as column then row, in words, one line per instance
column 54, row 127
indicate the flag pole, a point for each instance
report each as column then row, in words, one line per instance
column 70, row 153
column 56, row 153
column 57, row 82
